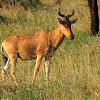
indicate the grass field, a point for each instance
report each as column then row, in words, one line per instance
column 75, row 67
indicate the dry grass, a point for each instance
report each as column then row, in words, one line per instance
column 75, row 67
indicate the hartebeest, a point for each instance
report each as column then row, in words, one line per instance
column 41, row 44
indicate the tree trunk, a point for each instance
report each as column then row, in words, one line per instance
column 94, row 16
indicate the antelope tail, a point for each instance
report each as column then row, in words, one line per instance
column 2, row 53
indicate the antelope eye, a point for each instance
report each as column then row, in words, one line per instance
column 63, row 22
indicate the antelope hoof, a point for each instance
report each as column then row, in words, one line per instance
column 33, row 82
column 47, row 82
column 16, row 83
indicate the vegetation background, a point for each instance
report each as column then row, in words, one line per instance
column 75, row 67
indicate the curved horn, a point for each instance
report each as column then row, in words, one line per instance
column 60, row 13
column 70, row 15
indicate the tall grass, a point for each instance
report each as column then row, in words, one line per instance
column 75, row 67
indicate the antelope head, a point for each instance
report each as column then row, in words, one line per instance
column 66, row 24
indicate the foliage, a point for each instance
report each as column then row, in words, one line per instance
column 24, row 3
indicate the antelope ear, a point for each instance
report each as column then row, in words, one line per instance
column 74, row 21
column 60, row 21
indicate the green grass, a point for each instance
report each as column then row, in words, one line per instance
column 75, row 67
